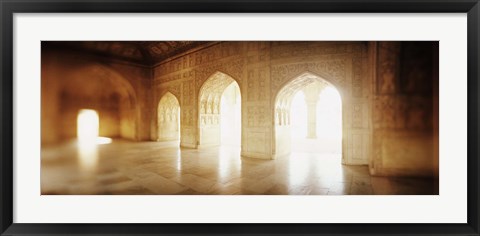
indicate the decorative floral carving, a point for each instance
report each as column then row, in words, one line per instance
column 188, row 98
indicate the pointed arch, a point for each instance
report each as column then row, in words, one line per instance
column 209, row 102
column 282, row 107
column 168, row 118
column 101, row 88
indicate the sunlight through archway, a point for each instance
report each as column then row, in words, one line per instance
column 219, row 112
column 168, row 118
column 230, row 116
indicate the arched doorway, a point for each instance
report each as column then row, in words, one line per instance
column 308, row 117
column 219, row 109
column 103, row 91
column 168, row 118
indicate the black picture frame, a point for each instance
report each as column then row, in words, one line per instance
column 9, row 7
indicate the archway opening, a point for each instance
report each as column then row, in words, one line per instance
column 88, row 126
column 230, row 116
column 308, row 118
column 168, row 118
column 220, row 112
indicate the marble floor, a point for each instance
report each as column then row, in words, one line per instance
column 130, row 168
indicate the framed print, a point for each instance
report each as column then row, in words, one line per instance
column 270, row 117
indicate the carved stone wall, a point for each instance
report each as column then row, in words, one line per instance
column 210, row 96
column 257, row 124
column 403, row 111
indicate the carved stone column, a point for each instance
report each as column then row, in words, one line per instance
column 311, row 119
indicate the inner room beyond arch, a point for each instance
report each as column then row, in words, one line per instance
column 219, row 111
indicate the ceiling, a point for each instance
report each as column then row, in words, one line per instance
column 147, row 53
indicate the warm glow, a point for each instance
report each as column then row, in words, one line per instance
column 103, row 140
column 230, row 116
column 87, row 125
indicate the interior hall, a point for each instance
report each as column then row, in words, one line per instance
column 239, row 118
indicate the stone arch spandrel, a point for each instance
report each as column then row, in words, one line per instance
column 202, row 78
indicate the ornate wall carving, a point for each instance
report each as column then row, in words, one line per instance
column 188, row 98
column 358, row 77
column 257, row 116
column 262, row 69
column 387, row 90
column 357, row 115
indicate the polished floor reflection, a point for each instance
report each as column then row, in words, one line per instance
column 123, row 167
